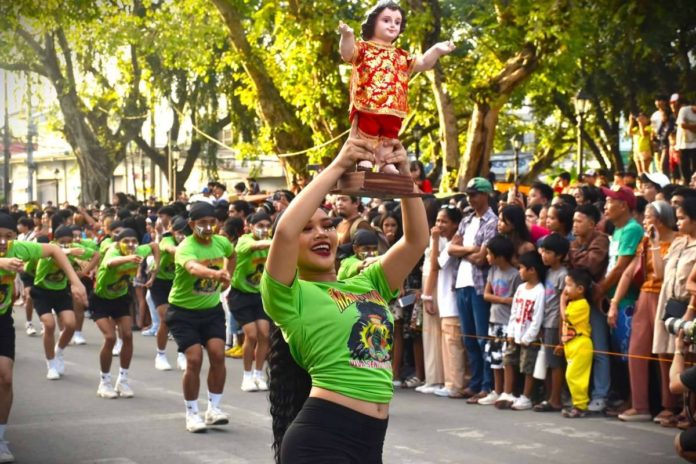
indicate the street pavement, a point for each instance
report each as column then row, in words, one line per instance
column 65, row 422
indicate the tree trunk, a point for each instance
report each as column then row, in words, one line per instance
column 487, row 106
column 479, row 140
column 287, row 131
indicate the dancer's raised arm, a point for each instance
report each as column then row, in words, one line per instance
column 282, row 257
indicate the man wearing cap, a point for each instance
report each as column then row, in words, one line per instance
column 590, row 177
column 652, row 184
column 110, row 303
column 686, row 140
column 623, row 245
column 469, row 244
column 244, row 300
column 365, row 245
column 195, row 316
column 50, row 293
column 13, row 255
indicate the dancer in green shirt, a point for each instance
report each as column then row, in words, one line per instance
column 195, row 316
column 13, row 255
column 110, row 307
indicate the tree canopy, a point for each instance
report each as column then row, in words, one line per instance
column 270, row 71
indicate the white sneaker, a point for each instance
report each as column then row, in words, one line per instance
column 489, row 399
column 5, row 453
column 597, row 405
column 31, row 331
column 123, row 389
column 181, row 361
column 505, row 400
column 249, row 384
column 106, row 390
column 261, row 383
column 161, row 363
column 78, row 339
column 117, row 347
column 443, row 391
column 428, row 388
column 52, row 373
column 215, row 416
column 522, row 403
column 60, row 361
column 195, row 424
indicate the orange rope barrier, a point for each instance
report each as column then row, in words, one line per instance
column 610, row 353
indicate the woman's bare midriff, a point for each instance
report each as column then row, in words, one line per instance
column 376, row 410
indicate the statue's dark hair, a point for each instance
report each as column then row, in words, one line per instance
column 368, row 27
column 289, row 387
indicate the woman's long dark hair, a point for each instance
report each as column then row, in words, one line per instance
column 288, row 388
column 368, row 27
column 514, row 215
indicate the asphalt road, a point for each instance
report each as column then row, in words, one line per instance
column 65, row 422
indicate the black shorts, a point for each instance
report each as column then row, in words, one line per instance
column 687, row 440
column 328, row 432
column 104, row 307
column 46, row 300
column 89, row 285
column 160, row 291
column 246, row 307
column 195, row 326
column 27, row 279
column 7, row 335
column 551, row 339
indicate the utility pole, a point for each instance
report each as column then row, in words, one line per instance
column 31, row 132
column 6, row 147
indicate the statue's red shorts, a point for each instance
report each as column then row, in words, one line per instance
column 378, row 125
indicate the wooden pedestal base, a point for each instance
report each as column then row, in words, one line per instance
column 376, row 185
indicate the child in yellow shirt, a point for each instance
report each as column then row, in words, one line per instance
column 576, row 338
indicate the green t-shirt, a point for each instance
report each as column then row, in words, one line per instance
column 349, row 267
column 340, row 332
column 112, row 282
column 104, row 245
column 88, row 243
column 190, row 292
column 52, row 277
column 26, row 251
column 166, row 264
column 624, row 242
column 30, row 267
column 250, row 264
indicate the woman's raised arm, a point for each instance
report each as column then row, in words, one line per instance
column 282, row 257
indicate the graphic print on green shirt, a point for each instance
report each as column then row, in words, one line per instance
column 340, row 332
column 250, row 265
column 26, row 251
column 112, row 282
column 190, row 292
column 167, row 267
column 52, row 277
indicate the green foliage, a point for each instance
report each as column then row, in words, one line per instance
column 126, row 53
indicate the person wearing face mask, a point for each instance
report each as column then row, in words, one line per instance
column 50, row 293
column 365, row 244
column 244, row 300
column 13, row 255
column 162, row 285
column 110, row 304
column 195, row 316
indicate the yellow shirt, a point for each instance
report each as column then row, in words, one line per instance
column 577, row 320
